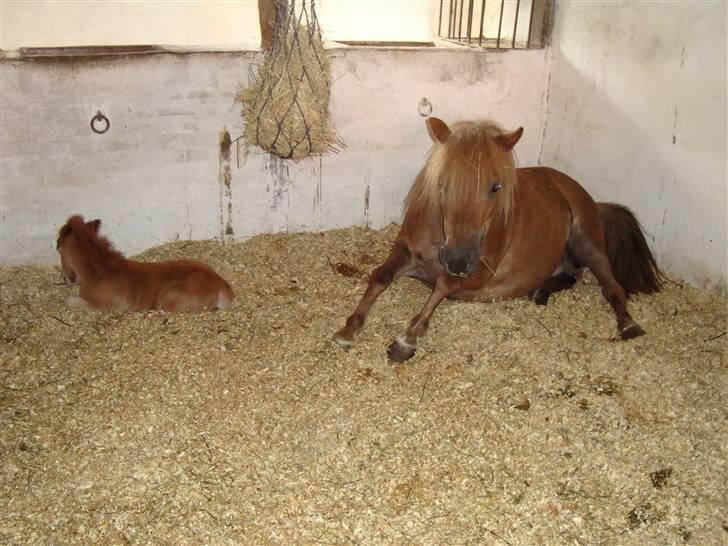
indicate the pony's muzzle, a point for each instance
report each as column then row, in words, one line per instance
column 458, row 262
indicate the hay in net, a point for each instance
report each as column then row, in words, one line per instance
column 286, row 108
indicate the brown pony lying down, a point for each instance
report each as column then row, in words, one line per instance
column 477, row 228
column 108, row 280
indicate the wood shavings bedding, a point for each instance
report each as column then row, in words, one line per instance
column 513, row 424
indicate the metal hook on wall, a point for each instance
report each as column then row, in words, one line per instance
column 100, row 123
column 424, row 107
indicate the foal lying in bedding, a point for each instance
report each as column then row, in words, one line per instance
column 108, row 280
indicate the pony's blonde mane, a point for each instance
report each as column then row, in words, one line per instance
column 97, row 252
column 468, row 162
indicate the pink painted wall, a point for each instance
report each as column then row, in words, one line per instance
column 637, row 112
column 154, row 177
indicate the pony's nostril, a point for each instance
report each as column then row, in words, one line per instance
column 459, row 266
column 446, row 258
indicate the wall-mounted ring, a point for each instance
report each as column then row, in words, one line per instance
column 100, row 123
column 424, row 107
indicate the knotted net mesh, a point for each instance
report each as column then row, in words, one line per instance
column 286, row 106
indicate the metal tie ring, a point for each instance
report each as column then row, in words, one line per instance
column 100, row 118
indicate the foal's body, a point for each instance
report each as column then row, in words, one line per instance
column 180, row 285
column 108, row 280
column 476, row 228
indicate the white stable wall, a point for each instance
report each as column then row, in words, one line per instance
column 155, row 176
column 637, row 112
column 227, row 24
column 630, row 100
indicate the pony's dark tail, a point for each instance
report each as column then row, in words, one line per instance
column 633, row 264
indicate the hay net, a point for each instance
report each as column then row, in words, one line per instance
column 286, row 107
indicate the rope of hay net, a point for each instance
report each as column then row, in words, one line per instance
column 286, row 107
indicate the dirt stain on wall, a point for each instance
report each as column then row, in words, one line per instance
column 367, row 220
column 226, row 193
column 318, row 192
column 277, row 168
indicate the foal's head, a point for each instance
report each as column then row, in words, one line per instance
column 471, row 175
column 67, row 243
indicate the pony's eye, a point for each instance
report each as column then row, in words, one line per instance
column 495, row 187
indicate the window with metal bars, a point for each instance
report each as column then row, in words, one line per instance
column 500, row 24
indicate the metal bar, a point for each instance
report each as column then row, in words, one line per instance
column 500, row 24
column 515, row 25
column 449, row 20
column 470, row 19
column 530, row 24
column 482, row 18
column 439, row 20
column 267, row 14
column 460, row 22
column 455, row 21
column 453, row 15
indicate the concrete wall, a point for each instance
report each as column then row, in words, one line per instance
column 637, row 113
column 630, row 100
column 155, row 176
column 33, row 23
column 226, row 24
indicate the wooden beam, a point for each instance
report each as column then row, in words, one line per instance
column 267, row 11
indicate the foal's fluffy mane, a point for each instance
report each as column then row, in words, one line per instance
column 469, row 161
column 97, row 250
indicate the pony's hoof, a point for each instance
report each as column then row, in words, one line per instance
column 632, row 331
column 399, row 351
column 541, row 297
column 76, row 301
column 342, row 341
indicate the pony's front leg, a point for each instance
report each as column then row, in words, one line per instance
column 404, row 346
column 395, row 264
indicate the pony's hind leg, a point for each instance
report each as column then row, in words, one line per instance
column 589, row 252
column 563, row 278
column 177, row 301
column 557, row 283
column 380, row 279
column 224, row 298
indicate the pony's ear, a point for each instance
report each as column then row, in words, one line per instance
column 508, row 140
column 64, row 232
column 94, row 225
column 438, row 129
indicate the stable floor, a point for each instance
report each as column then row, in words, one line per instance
column 514, row 424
